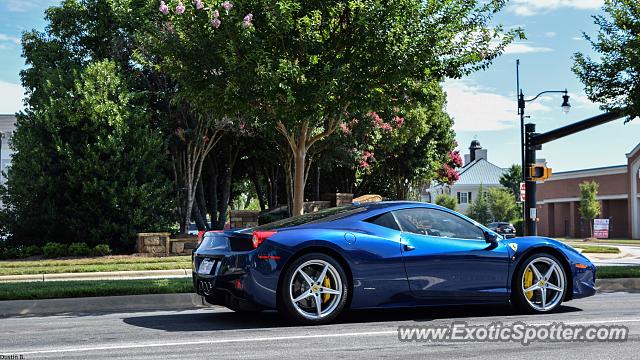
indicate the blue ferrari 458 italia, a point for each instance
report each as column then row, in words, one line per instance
column 315, row 266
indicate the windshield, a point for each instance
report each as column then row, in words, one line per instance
column 314, row 217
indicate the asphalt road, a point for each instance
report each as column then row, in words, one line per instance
column 220, row 334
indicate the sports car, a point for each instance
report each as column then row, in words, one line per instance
column 315, row 266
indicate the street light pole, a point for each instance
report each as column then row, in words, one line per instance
column 527, row 148
column 1, row 136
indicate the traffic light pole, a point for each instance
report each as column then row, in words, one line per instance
column 530, row 208
column 534, row 141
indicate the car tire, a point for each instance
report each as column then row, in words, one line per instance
column 544, row 274
column 333, row 289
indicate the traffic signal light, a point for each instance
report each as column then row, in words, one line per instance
column 539, row 172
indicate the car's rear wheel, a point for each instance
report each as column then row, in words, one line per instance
column 540, row 284
column 314, row 289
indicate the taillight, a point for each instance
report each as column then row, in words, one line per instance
column 260, row 236
column 200, row 236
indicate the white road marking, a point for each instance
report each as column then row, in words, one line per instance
column 273, row 338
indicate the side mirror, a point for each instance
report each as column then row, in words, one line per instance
column 491, row 237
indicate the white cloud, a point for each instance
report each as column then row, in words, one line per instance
column 5, row 37
column 522, row 48
column 533, row 7
column 550, row 34
column 577, row 38
column 10, row 97
column 26, row 5
column 8, row 42
column 477, row 109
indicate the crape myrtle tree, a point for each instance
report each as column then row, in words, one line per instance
column 613, row 79
column 393, row 155
column 304, row 66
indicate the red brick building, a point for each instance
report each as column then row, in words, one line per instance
column 619, row 195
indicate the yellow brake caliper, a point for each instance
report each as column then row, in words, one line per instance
column 528, row 282
column 326, row 283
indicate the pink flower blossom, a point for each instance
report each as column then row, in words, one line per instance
column 163, row 8
column 198, row 4
column 399, row 121
column 345, row 129
column 246, row 22
column 366, row 155
column 216, row 14
column 216, row 23
column 377, row 120
column 364, row 164
column 386, row 126
column 242, row 125
column 455, row 157
column 180, row 8
column 227, row 6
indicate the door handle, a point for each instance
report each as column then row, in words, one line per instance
column 409, row 247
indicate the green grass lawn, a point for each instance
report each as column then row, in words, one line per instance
column 602, row 241
column 586, row 249
column 613, row 272
column 119, row 263
column 68, row 289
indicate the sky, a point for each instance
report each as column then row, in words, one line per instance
column 483, row 104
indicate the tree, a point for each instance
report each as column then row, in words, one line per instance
column 589, row 204
column 310, row 64
column 612, row 79
column 479, row 208
column 86, row 165
column 447, row 201
column 511, row 180
column 502, row 205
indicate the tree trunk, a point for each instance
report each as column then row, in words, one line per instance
column 299, row 161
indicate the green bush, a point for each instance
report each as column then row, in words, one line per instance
column 12, row 253
column 54, row 250
column 32, row 250
column 517, row 223
column 79, row 249
column 101, row 250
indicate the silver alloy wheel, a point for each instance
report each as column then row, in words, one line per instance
column 307, row 289
column 548, row 284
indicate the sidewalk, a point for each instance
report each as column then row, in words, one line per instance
column 110, row 275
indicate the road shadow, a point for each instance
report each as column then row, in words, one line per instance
column 212, row 320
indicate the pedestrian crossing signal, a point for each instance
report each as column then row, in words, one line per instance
column 539, row 172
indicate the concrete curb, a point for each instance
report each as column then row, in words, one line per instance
column 618, row 285
column 107, row 275
column 100, row 304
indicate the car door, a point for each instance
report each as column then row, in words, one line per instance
column 447, row 256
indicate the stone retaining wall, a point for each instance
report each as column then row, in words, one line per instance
column 241, row 219
column 155, row 244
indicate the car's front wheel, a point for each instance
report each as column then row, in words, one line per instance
column 314, row 289
column 540, row 284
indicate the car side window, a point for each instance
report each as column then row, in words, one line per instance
column 434, row 222
column 386, row 220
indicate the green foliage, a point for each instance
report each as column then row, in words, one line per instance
column 589, row 205
column 100, row 250
column 86, row 166
column 32, row 250
column 79, row 249
column 519, row 225
column 479, row 208
column 447, row 201
column 612, row 78
column 511, row 180
column 502, row 205
column 55, row 250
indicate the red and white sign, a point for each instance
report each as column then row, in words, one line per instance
column 523, row 190
column 601, row 228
